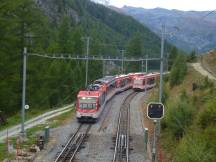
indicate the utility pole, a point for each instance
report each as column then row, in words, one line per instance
column 157, row 122
column 161, row 63
column 104, row 68
column 154, row 149
column 87, row 55
column 122, row 65
column 23, row 92
column 146, row 63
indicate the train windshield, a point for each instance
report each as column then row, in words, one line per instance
column 87, row 102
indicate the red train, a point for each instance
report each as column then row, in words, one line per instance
column 145, row 82
column 91, row 102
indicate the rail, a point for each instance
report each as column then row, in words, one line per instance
column 71, row 148
column 121, row 152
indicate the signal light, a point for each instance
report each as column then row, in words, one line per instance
column 155, row 110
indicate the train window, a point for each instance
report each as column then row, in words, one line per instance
column 83, row 106
column 103, row 98
column 122, row 83
column 129, row 80
column 111, row 86
column 90, row 106
column 87, row 106
column 151, row 81
column 87, row 102
column 93, row 87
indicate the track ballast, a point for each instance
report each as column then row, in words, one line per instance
column 74, row 143
column 121, row 153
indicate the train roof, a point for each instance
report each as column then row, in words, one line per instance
column 139, row 77
column 88, row 94
column 139, row 73
column 105, row 79
column 153, row 74
column 121, row 76
column 146, row 75
column 94, row 87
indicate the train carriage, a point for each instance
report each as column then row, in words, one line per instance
column 145, row 82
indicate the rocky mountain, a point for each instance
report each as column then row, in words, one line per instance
column 191, row 29
column 111, row 25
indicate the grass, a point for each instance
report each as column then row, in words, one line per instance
column 173, row 95
column 198, row 99
column 29, row 114
column 209, row 62
column 33, row 132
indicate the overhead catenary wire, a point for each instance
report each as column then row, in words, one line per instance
column 96, row 58
column 209, row 13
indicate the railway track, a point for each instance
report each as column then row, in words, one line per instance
column 121, row 153
column 73, row 145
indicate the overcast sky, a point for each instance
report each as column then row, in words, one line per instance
column 198, row 5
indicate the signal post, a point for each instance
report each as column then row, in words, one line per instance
column 155, row 111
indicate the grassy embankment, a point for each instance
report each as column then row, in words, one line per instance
column 33, row 132
column 209, row 62
column 15, row 119
column 188, row 128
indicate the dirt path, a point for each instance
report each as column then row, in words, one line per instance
column 198, row 67
column 15, row 130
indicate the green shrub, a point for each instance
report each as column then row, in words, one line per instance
column 166, row 78
column 206, row 83
column 208, row 115
column 194, row 148
column 165, row 94
column 192, row 57
column 178, row 71
column 179, row 117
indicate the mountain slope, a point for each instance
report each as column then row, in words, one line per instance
column 54, row 26
column 102, row 21
column 195, row 30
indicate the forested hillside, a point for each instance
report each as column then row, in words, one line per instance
column 53, row 26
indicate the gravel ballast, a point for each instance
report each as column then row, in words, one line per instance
column 99, row 147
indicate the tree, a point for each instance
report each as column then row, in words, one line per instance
column 172, row 57
column 178, row 71
column 64, row 36
column 179, row 117
column 134, row 49
column 192, row 56
column 78, row 44
column 135, row 46
column 18, row 19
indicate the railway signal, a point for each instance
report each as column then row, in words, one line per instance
column 155, row 110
